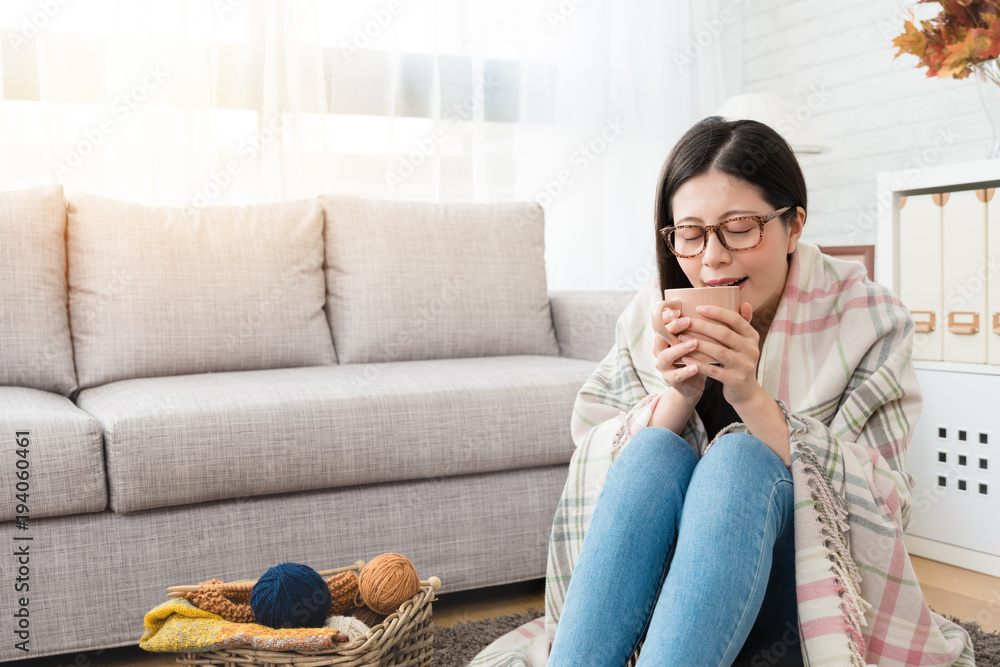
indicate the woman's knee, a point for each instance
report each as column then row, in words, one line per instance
column 657, row 454
column 740, row 452
column 653, row 445
column 739, row 466
column 651, row 473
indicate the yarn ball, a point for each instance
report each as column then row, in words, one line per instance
column 353, row 627
column 388, row 581
column 290, row 595
column 367, row 616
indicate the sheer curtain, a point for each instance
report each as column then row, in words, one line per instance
column 572, row 103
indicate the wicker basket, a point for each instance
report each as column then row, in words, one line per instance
column 403, row 639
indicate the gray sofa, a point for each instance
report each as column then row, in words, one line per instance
column 206, row 393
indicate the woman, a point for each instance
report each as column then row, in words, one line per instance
column 757, row 510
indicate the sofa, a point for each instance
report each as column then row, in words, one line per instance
column 188, row 393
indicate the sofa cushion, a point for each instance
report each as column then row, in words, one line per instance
column 64, row 454
column 195, row 438
column 35, row 346
column 419, row 280
column 585, row 321
column 171, row 291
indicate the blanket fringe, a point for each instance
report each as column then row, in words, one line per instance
column 621, row 435
column 834, row 525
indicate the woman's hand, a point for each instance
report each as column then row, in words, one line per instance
column 735, row 344
column 683, row 379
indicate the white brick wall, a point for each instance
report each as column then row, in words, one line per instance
column 880, row 114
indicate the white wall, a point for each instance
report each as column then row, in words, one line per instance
column 659, row 87
column 833, row 62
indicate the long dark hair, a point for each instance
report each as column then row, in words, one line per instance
column 744, row 149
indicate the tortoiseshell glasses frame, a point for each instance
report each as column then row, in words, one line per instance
column 721, row 231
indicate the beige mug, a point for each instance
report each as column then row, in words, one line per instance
column 685, row 300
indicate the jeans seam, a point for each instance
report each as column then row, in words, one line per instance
column 671, row 438
column 656, row 596
column 790, row 516
column 770, row 506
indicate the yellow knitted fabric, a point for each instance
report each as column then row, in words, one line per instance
column 178, row 625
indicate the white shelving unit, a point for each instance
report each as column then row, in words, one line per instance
column 955, row 451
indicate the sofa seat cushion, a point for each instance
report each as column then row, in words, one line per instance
column 35, row 346
column 422, row 280
column 167, row 290
column 196, row 438
column 64, row 454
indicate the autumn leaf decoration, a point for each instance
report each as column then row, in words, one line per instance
column 964, row 34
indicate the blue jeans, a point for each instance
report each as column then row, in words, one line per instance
column 721, row 526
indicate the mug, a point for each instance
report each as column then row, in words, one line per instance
column 685, row 300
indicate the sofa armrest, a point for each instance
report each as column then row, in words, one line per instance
column 585, row 321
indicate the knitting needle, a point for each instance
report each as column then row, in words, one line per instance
column 323, row 573
column 433, row 582
column 180, row 591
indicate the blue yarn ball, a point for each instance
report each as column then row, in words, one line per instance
column 290, row 595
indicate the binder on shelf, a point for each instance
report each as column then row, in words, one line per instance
column 920, row 269
column 993, row 276
column 964, row 277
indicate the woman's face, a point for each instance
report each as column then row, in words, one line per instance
column 710, row 198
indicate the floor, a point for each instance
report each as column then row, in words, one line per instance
column 949, row 590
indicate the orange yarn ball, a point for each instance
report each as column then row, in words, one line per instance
column 388, row 581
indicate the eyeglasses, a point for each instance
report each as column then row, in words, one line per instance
column 736, row 234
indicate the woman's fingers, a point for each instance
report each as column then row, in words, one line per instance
column 675, row 324
column 684, row 373
column 680, row 375
column 699, row 353
column 666, row 360
column 714, row 352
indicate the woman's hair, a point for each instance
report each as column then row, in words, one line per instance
column 747, row 150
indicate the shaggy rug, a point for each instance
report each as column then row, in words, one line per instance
column 457, row 645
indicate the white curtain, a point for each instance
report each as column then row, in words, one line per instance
column 573, row 103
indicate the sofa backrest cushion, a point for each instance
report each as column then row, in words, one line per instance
column 173, row 291
column 420, row 280
column 35, row 346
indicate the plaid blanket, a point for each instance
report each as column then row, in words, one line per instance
column 837, row 361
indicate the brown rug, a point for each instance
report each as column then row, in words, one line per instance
column 457, row 645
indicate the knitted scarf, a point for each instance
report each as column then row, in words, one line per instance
column 837, row 361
